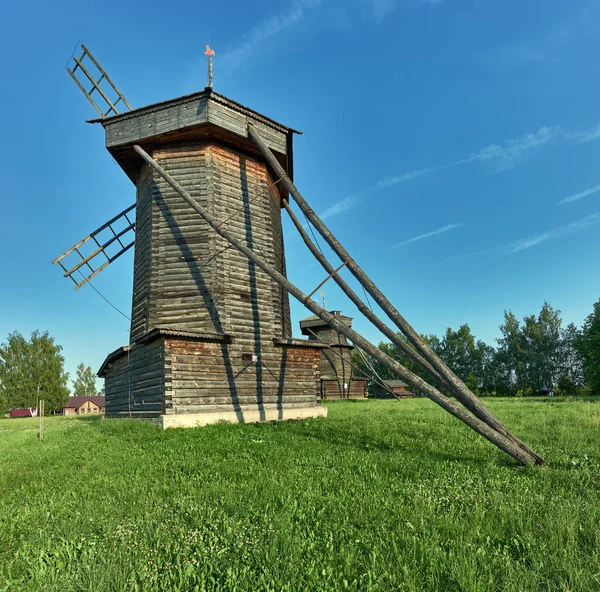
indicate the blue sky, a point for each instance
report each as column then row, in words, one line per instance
column 451, row 145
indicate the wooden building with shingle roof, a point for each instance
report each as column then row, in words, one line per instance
column 337, row 375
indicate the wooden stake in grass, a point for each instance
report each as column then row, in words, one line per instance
column 41, row 414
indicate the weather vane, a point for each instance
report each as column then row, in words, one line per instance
column 323, row 296
column 210, row 53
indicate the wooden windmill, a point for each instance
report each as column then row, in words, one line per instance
column 210, row 326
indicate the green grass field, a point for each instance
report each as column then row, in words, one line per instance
column 382, row 495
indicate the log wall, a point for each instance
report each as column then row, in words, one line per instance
column 204, row 377
column 185, row 276
column 134, row 383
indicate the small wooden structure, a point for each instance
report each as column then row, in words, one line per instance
column 394, row 389
column 337, row 376
column 84, row 405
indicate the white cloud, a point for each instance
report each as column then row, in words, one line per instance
column 515, row 150
column 531, row 241
column 499, row 157
column 259, row 34
column 428, row 234
column 409, row 176
column 587, row 135
column 339, row 207
column 580, row 195
column 380, row 9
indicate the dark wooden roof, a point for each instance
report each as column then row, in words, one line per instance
column 197, row 117
column 299, row 343
column 192, row 97
column 164, row 332
column 314, row 321
column 111, row 357
column 394, row 383
column 191, row 335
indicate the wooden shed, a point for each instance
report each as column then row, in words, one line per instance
column 337, row 375
column 210, row 333
column 397, row 387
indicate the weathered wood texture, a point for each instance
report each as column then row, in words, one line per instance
column 334, row 389
column 183, row 375
column 188, row 111
column 185, row 276
column 220, row 377
column 198, row 116
column 336, row 362
column 134, row 382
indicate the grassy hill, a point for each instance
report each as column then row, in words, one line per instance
column 382, row 495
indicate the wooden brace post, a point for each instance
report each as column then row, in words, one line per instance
column 458, row 388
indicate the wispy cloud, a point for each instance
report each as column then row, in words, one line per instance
column 409, row 176
column 339, row 207
column 262, row 32
column 499, row 157
column 515, row 150
column 380, row 9
column 579, row 195
column 531, row 241
column 441, row 230
column 586, row 135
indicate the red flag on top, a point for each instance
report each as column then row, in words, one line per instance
column 209, row 52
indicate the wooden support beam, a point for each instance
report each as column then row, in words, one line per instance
column 459, row 389
column 357, row 301
column 459, row 412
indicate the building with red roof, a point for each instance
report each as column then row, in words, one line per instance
column 23, row 412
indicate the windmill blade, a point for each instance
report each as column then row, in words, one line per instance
column 87, row 71
column 111, row 240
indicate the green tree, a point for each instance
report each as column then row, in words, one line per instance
column 32, row 370
column 588, row 346
column 510, row 356
column 542, row 347
column 571, row 364
column 529, row 354
column 85, row 383
column 460, row 352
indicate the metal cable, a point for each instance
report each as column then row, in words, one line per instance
column 105, row 298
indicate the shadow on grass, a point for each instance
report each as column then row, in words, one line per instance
column 89, row 418
column 413, row 448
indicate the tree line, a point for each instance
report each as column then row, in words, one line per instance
column 33, row 369
column 535, row 356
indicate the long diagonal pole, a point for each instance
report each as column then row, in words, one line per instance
column 355, row 298
column 389, row 333
column 459, row 389
column 459, row 412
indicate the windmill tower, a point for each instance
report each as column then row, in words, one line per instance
column 210, row 335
